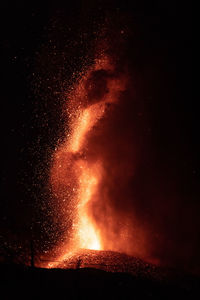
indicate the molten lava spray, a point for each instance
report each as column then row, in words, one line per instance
column 117, row 176
column 76, row 173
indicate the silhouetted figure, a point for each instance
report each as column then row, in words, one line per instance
column 79, row 263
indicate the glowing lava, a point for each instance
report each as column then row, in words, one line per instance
column 86, row 235
column 75, row 177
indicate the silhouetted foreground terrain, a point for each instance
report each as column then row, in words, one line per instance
column 143, row 280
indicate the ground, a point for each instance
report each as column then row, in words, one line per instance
column 140, row 281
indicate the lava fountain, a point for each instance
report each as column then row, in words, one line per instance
column 75, row 177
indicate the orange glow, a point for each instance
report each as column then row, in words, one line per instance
column 81, row 127
column 85, row 120
column 74, row 177
column 87, row 235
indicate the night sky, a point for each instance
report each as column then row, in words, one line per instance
column 41, row 47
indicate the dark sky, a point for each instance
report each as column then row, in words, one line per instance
column 160, row 53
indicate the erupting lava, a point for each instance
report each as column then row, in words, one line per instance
column 88, row 176
column 75, row 177
column 87, row 235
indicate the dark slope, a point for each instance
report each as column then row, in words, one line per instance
column 126, row 277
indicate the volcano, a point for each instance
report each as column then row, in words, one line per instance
column 110, row 261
